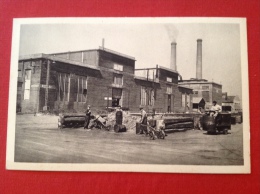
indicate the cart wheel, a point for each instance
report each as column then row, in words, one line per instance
column 162, row 134
column 150, row 134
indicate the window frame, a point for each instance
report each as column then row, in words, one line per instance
column 118, row 67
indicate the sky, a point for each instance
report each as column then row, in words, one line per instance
column 150, row 44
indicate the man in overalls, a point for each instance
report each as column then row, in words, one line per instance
column 143, row 121
column 87, row 117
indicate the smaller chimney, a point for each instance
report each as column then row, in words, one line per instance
column 173, row 56
column 103, row 43
column 199, row 60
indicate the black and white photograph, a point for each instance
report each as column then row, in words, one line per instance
column 130, row 95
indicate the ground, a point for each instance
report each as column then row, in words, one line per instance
column 38, row 139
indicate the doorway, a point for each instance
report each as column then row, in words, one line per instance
column 169, row 103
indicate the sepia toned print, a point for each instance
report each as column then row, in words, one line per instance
column 129, row 94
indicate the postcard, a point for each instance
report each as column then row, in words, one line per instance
column 159, row 94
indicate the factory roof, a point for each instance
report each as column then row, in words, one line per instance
column 168, row 69
column 99, row 49
column 56, row 59
column 186, row 87
column 197, row 100
column 197, row 81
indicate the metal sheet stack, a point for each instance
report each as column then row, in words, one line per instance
column 71, row 119
column 177, row 123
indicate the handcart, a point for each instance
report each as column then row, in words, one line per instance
column 100, row 123
column 154, row 128
column 220, row 123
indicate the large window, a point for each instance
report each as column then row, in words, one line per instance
column 147, row 96
column 63, row 82
column 143, row 96
column 82, row 89
column 183, row 99
column 188, row 101
column 118, row 67
column 72, row 88
column 117, row 97
column 27, row 85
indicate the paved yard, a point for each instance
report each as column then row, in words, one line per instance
column 39, row 140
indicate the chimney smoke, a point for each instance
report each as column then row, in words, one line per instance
column 173, row 65
column 199, row 60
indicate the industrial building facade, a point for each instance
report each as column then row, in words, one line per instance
column 102, row 78
column 203, row 89
column 231, row 103
column 204, row 92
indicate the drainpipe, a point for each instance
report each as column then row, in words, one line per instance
column 47, row 85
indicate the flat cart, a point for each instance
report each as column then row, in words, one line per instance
column 220, row 124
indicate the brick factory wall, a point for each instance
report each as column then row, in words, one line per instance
column 163, row 74
column 30, row 105
column 179, row 108
column 89, row 57
column 108, row 60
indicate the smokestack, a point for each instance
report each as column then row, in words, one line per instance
column 103, row 43
column 173, row 56
column 199, row 59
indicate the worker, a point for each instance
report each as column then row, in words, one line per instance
column 143, row 121
column 216, row 109
column 87, row 117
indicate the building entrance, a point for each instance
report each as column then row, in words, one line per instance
column 169, row 103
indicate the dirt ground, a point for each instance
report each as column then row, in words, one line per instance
column 38, row 139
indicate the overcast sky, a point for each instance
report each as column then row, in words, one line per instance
column 150, row 44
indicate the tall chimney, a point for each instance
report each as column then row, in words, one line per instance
column 199, row 59
column 173, row 56
column 103, row 43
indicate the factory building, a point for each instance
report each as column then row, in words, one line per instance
column 203, row 90
column 231, row 103
column 102, row 78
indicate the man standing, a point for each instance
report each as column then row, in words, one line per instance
column 87, row 117
column 143, row 121
column 216, row 109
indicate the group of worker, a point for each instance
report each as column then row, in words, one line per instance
column 214, row 111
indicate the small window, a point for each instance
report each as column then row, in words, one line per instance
column 169, row 79
column 118, row 67
column 205, row 87
column 27, row 85
column 195, row 92
column 20, row 73
column 118, row 80
column 169, row 90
